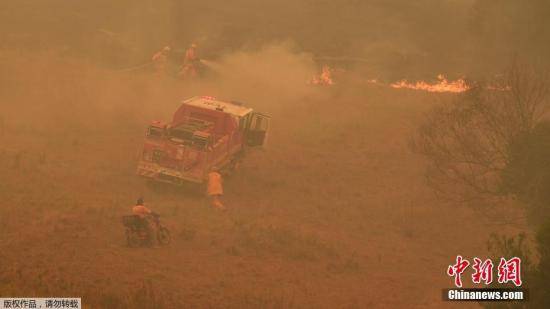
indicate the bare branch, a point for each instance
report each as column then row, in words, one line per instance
column 468, row 141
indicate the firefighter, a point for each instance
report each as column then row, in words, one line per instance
column 191, row 54
column 160, row 60
column 145, row 214
column 215, row 190
column 189, row 67
column 326, row 76
column 323, row 79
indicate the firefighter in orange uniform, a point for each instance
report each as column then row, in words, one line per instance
column 326, row 76
column 189, row 67
column 215, row 190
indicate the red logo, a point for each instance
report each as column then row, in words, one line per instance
column 457, row 269
column 508, row 271
column 483, row 271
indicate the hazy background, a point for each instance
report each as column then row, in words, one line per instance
column 391, row 38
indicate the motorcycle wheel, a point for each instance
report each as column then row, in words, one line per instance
column 131, row 239
column 163, row 236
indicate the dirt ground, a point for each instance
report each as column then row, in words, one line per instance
column 333, row 213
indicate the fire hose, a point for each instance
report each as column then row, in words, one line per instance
column 137, row 67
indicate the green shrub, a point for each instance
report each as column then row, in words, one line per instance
column 535, row 276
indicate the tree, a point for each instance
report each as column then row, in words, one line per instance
column 468, row 142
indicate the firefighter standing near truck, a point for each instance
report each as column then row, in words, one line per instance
column 215, row 189
column 189, row 67
column 145, row 214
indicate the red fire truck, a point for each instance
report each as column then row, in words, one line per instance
column 205, row 134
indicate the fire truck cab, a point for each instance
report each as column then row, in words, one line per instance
column 205, row 134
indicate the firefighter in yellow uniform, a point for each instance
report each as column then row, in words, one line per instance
column 215, row 189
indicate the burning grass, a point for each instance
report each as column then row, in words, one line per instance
column 441, row 85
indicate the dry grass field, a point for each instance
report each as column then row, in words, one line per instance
column 334, row 213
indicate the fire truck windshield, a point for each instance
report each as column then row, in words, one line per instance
column 154, row 132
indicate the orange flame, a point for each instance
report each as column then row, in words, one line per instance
column 442, row 85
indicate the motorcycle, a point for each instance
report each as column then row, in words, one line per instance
column 138, row 233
